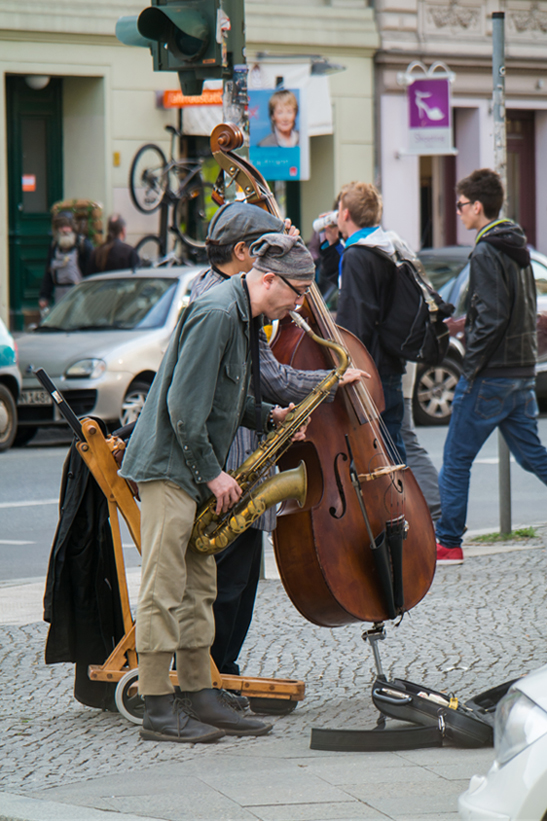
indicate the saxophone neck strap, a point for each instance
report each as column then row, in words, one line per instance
column 255, row 362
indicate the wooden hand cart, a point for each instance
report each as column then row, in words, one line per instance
column 268, row 695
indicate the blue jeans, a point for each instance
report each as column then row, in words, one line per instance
column 477, row 410
column 393, row 414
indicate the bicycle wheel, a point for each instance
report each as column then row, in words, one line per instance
column 149, row 250
column 148, row 178
column 193, row 213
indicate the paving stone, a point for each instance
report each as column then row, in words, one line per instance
column 19, row 808
column 422, row 807
column 378, row 791
column 278, row 788
column 343, row 811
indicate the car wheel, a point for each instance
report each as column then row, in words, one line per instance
column 434, row 392
column 133, row 402
column 8, row 418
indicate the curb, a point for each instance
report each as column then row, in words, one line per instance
column 19, row 808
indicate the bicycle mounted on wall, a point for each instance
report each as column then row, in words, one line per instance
column 156, row 182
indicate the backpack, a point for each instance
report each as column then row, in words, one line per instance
column 413, row 326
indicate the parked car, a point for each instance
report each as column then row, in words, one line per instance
column 444, row 264
column 435, row 386
column 10, row 386
column 515, row 787
column 102, row 346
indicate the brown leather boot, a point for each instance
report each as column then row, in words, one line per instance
column 166, row 719
column 214, row 707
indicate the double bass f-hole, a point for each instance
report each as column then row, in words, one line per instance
column 339, row 485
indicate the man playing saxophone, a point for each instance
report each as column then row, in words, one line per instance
column 232, row 231
column 176, row 455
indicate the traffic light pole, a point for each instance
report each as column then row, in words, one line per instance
column 235, row 98
column 500, row 161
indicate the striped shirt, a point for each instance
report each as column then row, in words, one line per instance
column 279, row 383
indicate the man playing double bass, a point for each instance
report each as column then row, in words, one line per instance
column 231, row 233
column 177, row 455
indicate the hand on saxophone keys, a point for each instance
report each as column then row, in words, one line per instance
column 226, row 490
column 279, row 415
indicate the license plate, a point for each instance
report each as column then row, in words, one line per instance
column 35, row 398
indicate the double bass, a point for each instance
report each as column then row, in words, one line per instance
column 362, row 547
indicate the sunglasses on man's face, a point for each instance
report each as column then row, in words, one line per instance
column 299, row 293
column 460, row 205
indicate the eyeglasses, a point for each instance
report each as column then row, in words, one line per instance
column 460, row 204
column 299, row 293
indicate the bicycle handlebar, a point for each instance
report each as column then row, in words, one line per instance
column 173, row 130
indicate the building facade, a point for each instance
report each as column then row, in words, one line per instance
column 73, row 132
column 419, row 191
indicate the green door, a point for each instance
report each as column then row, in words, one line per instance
column 35, row 163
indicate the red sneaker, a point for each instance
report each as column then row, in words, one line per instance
column 449, row 555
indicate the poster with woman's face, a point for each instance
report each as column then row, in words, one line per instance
column 279, row 145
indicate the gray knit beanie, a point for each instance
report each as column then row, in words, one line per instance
column 240, row 222
column 283, row 254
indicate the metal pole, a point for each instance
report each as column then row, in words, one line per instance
column 500, row 160
column 234, row 85
column 498, row 81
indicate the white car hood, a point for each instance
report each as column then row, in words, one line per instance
column 57, row 351
column 534, row 685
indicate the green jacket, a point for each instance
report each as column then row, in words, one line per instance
column 199, row 397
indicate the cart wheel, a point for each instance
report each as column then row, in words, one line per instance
column 128, row 701
column 272, row 706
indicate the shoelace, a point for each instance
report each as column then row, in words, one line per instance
column 184, row 705
column 228, row 700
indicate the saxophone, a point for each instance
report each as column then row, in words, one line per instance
column 212, row 533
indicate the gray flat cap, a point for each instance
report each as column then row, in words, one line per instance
column 241, row 222
column 283, row 254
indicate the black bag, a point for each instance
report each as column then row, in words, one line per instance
column 432, row 717
column 413, row 327
column 465, row 725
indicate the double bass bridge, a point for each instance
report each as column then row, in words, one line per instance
column 386, row 470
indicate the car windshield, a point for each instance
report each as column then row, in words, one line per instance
column 442, row 269
column 113, row 304
column 540, row 275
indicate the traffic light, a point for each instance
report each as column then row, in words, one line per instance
column 191, row 37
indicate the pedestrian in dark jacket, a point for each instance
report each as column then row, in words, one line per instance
column 365, row 285
column 497, row 388
column 67, row 261
column 114, row 254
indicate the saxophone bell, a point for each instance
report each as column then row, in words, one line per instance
column 212, row 536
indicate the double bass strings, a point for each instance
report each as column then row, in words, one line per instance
column 362, row 392
column 367, row 404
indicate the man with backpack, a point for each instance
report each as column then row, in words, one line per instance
column 365, row 286
column 497, row 386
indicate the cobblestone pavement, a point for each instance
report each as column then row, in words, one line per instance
column 479, row 625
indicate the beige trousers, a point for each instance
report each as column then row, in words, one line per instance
column 178, row 588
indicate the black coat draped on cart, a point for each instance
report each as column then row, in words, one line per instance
column 82, row 600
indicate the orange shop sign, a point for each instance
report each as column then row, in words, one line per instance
column 176, row 99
